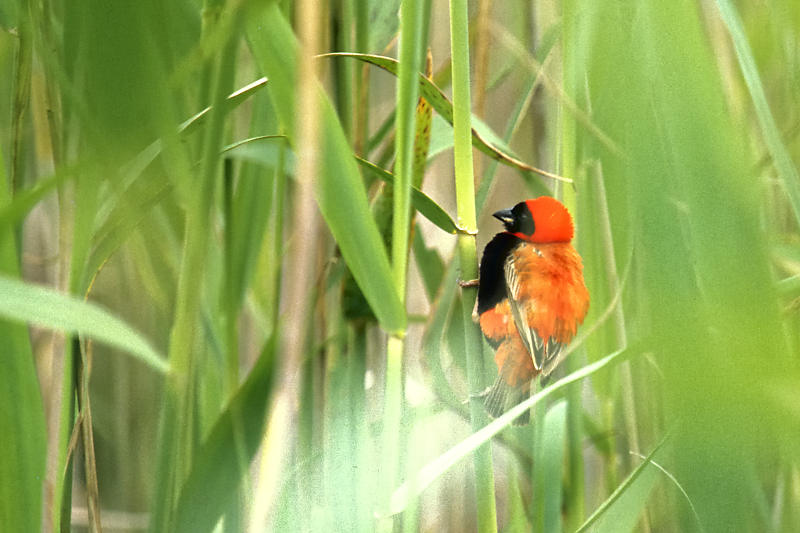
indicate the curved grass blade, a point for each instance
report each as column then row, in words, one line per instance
column 231, row 102
column 677, row 484
column 45, row 307
column 133, row 169
column 249, row 140
column 421, row 201
column 621, row 510
column 117, row 218
column 482, row 137
column 436, row 468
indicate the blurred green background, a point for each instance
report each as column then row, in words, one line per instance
column 215, row 318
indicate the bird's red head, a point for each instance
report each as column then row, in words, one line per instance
column 539, row 220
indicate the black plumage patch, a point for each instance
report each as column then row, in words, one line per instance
column 523, row 219
column 492, row 288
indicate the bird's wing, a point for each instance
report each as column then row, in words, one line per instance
column 539, row 350
column 553, row 357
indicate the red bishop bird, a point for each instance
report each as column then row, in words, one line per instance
column 531, row 297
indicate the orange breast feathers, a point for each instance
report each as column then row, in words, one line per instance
column 548, row 288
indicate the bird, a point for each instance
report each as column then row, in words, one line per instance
column 531, row 298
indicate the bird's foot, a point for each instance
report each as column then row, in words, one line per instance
column 480, row 395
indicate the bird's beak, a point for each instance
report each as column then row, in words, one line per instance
column 504, row 215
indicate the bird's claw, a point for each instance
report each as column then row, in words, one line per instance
column 469, row 283
column 479, row 395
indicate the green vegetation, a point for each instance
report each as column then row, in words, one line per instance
column 231, row 235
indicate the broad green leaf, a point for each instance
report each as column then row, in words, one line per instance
column 24, row 302
column 421, row 201
column 340, row 192
column 222, row 460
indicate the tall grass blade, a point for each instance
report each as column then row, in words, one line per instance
column 550, row 466
column 339, row 190
column 486, row 509
column 22, row 448
column 790, row 179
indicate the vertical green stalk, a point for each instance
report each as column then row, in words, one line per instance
column 232, row 517
column 22, row 92
column 467, row 253
column 230, row 298
column 359, row 436
column 177, row 420
column 568, row 147
column 407, row 91
column 277, row 238
column 617, row 336
column 58, row 480
column 283, row 437
column 209, row 18
column 345, row 69
column 87, row 434
column 392, row 413
column 361, row 118
column 620, row 338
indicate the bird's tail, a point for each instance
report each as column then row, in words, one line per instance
column 502, row 396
